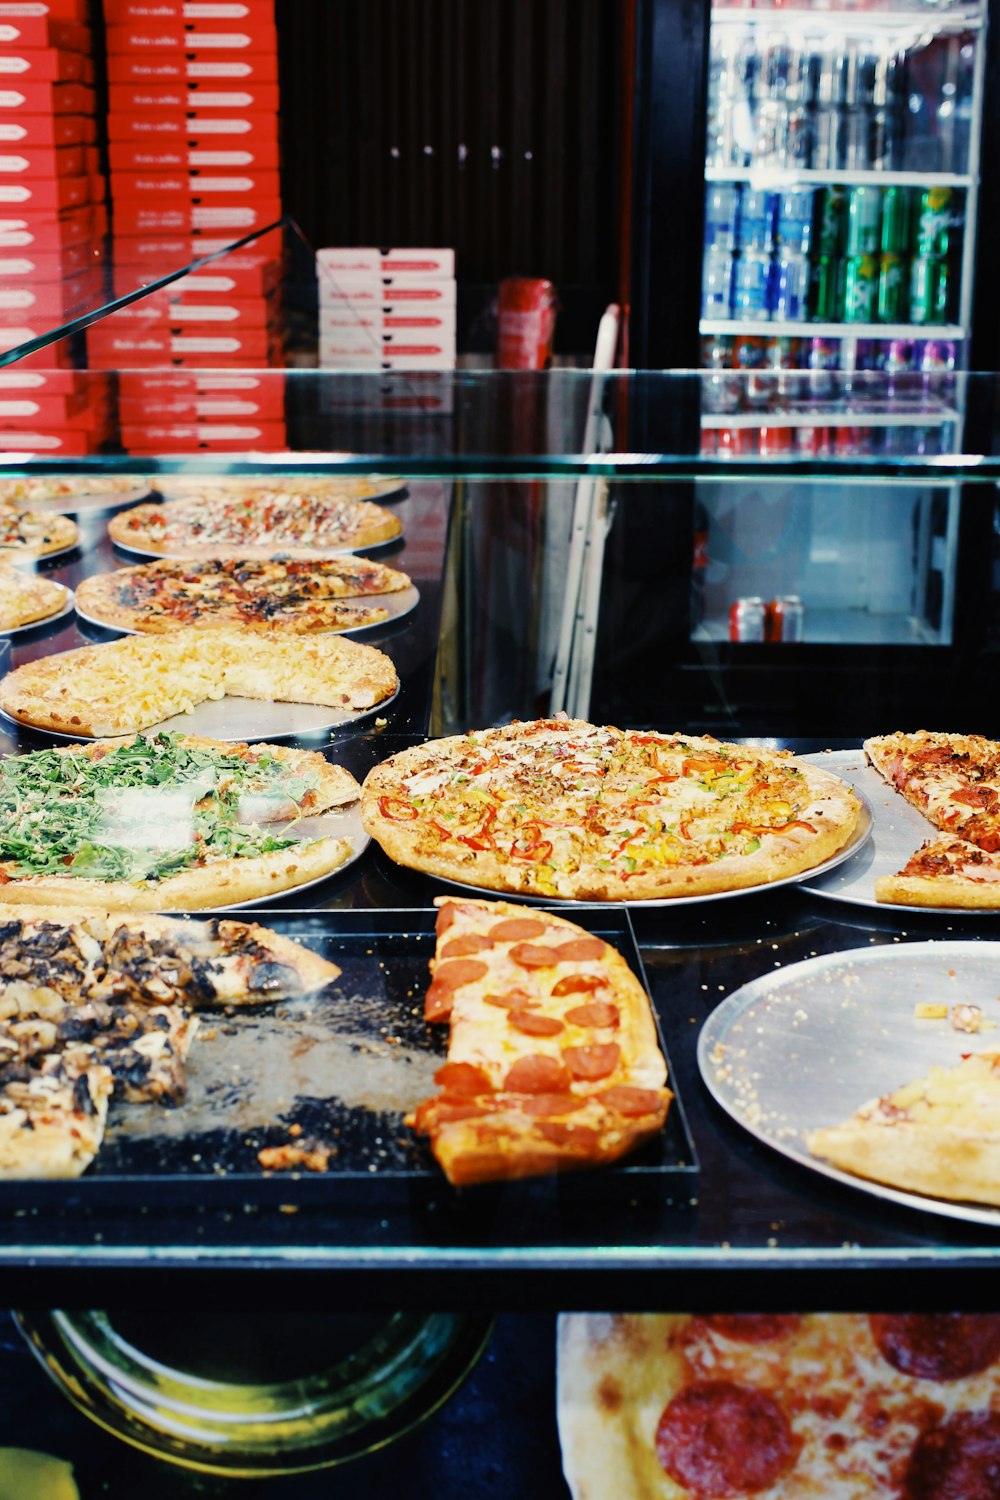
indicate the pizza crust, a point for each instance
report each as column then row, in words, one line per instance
column 25, row 598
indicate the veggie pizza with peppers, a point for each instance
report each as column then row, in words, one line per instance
column 573, row 810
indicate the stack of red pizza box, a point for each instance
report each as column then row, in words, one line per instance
column 53, row 220
column 193, row 131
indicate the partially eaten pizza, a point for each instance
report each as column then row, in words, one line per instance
column 553, row 1058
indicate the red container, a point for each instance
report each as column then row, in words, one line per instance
column 813, row 442
column 785, row 619
column 526, row 322
column 776, row 440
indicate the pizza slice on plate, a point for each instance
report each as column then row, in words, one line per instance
column 553, row 1058
column 945, row 872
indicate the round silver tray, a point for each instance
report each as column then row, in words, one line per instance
column 897, row 833
column 240, row 719
column 802, row 1048
column 398, row 604
column 338, row 823
column 91, row 502
column 858, row 839
column 66, row 608
column 224, row 549
column 18, row 555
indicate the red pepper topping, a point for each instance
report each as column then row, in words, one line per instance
column 396, row 810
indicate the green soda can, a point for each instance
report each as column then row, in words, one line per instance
column 928, row 289
column 892, row 289
column 895, row 221
column 860, row 288
column 933, row 222
column 824, row 290
column 830, row 226
column 864, row 221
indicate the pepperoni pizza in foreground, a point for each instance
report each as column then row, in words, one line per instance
column 588, row 813
column 819, row 1406
column 553, row 1059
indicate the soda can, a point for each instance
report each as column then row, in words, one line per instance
column 757, row 220
column 933, row 222
column 758, row 384
column 824, row 365
column 775, row 440
column 789, row 287
column 834, row 66
column 771, row 139
column 857, row 139
column 784, row 356
column 830, row 228
column 717, row 283
column 892, row 280
column 785, row 618
column 751, row 286
column 869, row 357
column 800, row 136
column 828, row 138
column 721, row 387
column 928, row 289
column 825, row 290
column 895, row 238
column 937, row 369
column 852, row 442
column 860, row 288
column 795, row 221
column 722, row 215
column 902, row 383
column 812, row 442
column 746, row 619
column 864, row 220
column 709, row 443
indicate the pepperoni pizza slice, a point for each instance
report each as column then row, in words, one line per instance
column 553, row 1058
column 818, row 1406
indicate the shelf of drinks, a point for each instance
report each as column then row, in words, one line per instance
column 783, row 179
column 823, row 414
column 761, row 327
column 857, row 21
column 836, row 627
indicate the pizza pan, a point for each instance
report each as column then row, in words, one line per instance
column 240, row 719
column 857, row 841
column 398, row 604
column 802, row 1048
column 90, row 502
column 64, row 609
column 338, row 823
column 223, row 549
column 18, row 555
column 898, row 832
column 171, row 487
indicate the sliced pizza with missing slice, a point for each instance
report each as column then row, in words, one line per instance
column 945, row 872
column 553, row 1057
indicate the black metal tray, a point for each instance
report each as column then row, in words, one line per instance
column 342, row 1067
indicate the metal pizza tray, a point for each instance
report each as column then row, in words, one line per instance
column 91, row 502
column 898, row 831
column 343, row 1067
column 64, row 609
column 223, row 549
column 19, row 555
column 804, row 1047
column 338, row 823
column 398, row 604
column 857, row 841
column 167, row 485
column 241, row 719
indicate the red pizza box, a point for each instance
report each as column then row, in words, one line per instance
column 190, row 68
column 175, row 129
column 55, row 300
column 135, row 216
column 92, row 157
column 75, row 440
column 16, row 379
column 183, row 187
column 19, row 265
column 252, row 34
column 184, row 154
column 59, row 10
column 232, row 276
column 45, row 234
column 43, row 161
column 46, row 65
column 48, row 194
column 57, row 412
column 150, row 253
column 19, row 97
column 34, row 30
column 177, row 407
column 152, row 12
column 184, row 437
column 155, row 346
column 58, row 356
column 240, row 392
column 428, row 264
column 167, row 308
column 243, row 96
column 33, row 131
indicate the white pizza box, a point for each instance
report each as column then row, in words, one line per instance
column 426, row 393
column 335, row 288
column 378, row 322
column 429, row 264
column 367, row 360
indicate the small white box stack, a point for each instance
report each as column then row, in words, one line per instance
column 386, row 309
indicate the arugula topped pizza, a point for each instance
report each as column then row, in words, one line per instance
column 164, row 822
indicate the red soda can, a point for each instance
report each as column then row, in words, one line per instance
column 785, row 618
column 526, row 323
column 852, row 442
column 776, row 440
column 747, row 619
column 812, row 442
column 709, row 441
column 746, row 440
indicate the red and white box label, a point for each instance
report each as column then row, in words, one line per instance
column 373, row 262
column 367, row 291
column 249, row 97
column 254, row 67
column 188, row 156
column 251, row 34
column 29, row 132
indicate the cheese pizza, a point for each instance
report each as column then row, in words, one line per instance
column 48, row 492
column 298, row 595
column 164, row 822
column 323, row 486
column 787, row 1406
column 254, row 524
column 26, row 599
column 140, row 681
column 567, row 809
column 33, row 533
column 553, row 1059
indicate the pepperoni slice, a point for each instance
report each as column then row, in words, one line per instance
column 718, row 1439
column 462, row 1078
column 542, row 1105
column 534, row 1024
column 446, row 916
column 511, row 1000
column 537, row 1074
column 578, row 984
column 448, row 978
column 596, row 1013
column 533, row 956
column 461, row 947
column 957, row 1460
column 754, row 1328
column 517, row 930
column 625, row 1099
column 434, row 1112
column 582, row 950
column 572, row 1137
column 592, row 1062
column 937, row 1346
